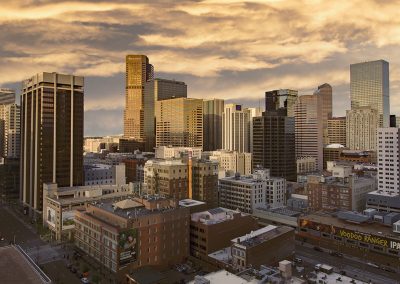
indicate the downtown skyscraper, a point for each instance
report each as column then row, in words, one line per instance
column 312, row 113
column 138, row 72
column 274, row 139
column 51, row 134
column 369, row 87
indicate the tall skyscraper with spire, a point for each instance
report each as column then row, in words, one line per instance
column 138, row 72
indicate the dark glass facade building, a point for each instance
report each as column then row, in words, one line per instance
column 51, row 134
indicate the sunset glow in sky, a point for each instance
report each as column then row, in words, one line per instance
column 221, row 48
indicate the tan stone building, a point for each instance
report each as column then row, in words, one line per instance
column 167, row 177
column 337, row 130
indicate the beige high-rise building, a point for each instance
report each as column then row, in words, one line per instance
column 324, row 91
column 158, row 90
column 337, row 130
column 236, row 128
column 11, row 136
column 361, row 127
column 232, row 161
column 212, row 124
column 7, row 96
column 138, row 72
column 179, row 122
column 309, row 128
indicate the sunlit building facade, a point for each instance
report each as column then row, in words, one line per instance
column 235, row 125
column 179, row 122
column 361, row 126
column 138, row 72
column 284, row 98
column 157, row 90
column 337, row 130
column 369, row 87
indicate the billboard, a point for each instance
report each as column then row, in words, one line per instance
column 127, row 244
column 51, row 216
column 68, row 219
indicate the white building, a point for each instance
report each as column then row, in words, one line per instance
column 168, row 152
column 361, row 127
column 10, row 132
column 95, row 145
column 236, row 128
column 231, row 161
column 249, row 192
column 103, row 174
column 388, row 159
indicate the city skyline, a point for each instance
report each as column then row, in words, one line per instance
column 238, row 61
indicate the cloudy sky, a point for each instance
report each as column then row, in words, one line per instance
column 220, row 48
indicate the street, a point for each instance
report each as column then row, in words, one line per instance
column 352, row 267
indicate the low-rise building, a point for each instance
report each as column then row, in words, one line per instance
column 205, row 181
column 61, row 203
column 214, row 229
column 98, row 174
column 132, row 233
column 383, row 201
column 265, row 246
column 341, row 191
column 231, row 161
column 167, row 177
column 248, row 192
column 351, row 234
column 169, row 152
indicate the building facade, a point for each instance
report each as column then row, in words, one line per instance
column 388, row 159
column 369, row 87
column 214, row 229
column 157, row 90
column 11, row 131
column 278, row 99
column 337, row 130
column 179, row 122
column 212, row 124
column 205, row 181
column 135, row 232
column 235, row 125
column 274, row 144
column 138, row 72
column 361, row 127
column 167, row 177
column 232, row 162
column 51, row 134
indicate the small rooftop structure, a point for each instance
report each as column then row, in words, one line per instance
column 127, row 204
column 215, row 215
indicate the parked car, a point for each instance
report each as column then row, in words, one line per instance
column 372, row 264
column 298, row 260
column 318, row 249
column 85, row 280
column 335, row 253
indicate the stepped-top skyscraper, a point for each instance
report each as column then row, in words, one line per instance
column 51, row 134
column 138, row 72
column 369, row 87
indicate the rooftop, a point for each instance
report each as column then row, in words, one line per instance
column 221, row 276
column 133, row 208
column 261, row 235
column 190, row 202
column 215, row 216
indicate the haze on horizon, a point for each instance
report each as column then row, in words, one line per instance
column 227, row 49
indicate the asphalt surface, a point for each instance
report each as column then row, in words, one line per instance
column 353, row 267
